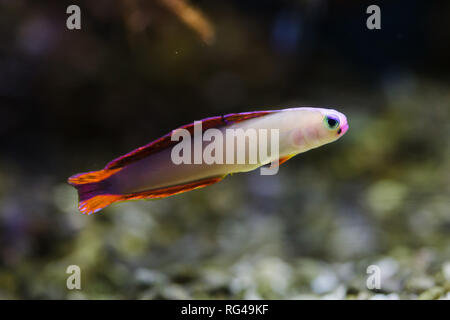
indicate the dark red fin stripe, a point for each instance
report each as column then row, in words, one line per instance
column 166, row 142
column 99, row 202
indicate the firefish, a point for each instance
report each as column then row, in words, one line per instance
column 151, row 172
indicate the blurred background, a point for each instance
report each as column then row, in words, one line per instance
column 72, row 100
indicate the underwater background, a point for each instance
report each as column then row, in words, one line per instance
column 72, row 100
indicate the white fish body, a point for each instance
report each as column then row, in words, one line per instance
column 298, row 130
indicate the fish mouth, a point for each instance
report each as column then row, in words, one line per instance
column 343, row 129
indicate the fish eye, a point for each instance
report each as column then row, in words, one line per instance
column 331, row 122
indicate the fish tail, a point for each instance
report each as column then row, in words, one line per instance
column 94, row 190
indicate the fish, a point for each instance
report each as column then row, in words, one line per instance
column 154, row 170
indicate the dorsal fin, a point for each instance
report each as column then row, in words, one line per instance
column 166, row 142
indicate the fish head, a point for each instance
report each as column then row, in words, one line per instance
column 319, row 126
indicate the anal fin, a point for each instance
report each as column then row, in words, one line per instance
column 98, row 202
column 170, row 191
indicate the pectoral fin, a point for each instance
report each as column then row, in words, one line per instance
column 284, row 159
